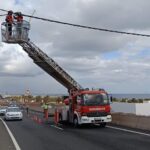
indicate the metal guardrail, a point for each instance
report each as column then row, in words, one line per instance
column 37, row 112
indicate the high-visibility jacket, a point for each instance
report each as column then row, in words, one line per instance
column 9, row 19
column 45, row 106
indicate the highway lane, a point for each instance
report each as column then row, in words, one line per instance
column 32, row 136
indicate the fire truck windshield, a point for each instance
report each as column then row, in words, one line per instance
column 95, row 99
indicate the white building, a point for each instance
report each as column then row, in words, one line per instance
column 132, row 108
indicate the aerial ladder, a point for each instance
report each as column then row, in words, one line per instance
column 38, row 56
column 85, row 106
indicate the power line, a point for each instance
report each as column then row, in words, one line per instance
column 3, row 15
column 4, row 10
column 86, row 27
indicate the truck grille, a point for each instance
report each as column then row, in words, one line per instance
column 96, row 114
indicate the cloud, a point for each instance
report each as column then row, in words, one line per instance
column 14, row 62
column 95, row 59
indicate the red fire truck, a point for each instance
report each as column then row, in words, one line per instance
column 84, row 106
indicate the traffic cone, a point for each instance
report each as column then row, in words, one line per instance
column 39, row 121
column 35, row 118
column 31, row 117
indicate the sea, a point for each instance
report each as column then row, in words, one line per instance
column 130, row 96
column 120, row 96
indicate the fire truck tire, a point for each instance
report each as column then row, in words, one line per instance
column 75, row 122
column 103, row 125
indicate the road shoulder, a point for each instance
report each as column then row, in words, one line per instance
column 6, row 142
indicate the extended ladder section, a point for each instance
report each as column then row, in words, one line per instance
column 50, row 66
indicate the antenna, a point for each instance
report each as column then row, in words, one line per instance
column 32, row 15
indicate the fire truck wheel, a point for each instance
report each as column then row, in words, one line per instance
column 103, row 124
column 75, row 122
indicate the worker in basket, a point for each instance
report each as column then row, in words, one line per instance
column 19, row 18
column 9, row 21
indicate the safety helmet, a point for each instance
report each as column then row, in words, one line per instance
column 10, row 12
column 19, row 13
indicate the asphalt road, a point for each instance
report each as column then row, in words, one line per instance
column 33, row 136
column 5, row 140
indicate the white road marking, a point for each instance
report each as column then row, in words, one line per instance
column 126, row 130
column 11, row 135
column 57, row 127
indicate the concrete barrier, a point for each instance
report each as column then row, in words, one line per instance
column 130, row 120
column 143, row 123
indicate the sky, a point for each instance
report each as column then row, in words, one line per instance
column 118, row 63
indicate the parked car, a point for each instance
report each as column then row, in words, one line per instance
column 13, row 113
column 13, row 105
column 3, row 110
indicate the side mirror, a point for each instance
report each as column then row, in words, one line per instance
column 111, row 99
